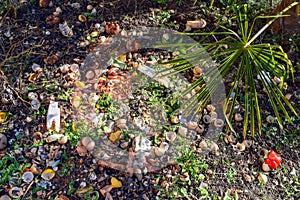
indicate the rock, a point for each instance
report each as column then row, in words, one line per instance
column 88, row 143
column 265, row 167
column 141, row 143
column 203, row 144
column 262, row 178
column 5, row 197
column 3, row 141
column 247, row 178
column 192, row 125
column 170, row 136
column 27, row 177
column 182, row 131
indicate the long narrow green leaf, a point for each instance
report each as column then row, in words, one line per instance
column 269, row 23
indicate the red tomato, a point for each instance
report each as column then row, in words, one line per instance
column 275, row 157
column 271, row 163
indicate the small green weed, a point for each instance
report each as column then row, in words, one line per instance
column 9, row 167
column 231, row 173
column 72, row 133
column 161, row 18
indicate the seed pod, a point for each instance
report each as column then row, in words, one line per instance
column 266, row 167
column 3, row 141
column 200, row 129
column 48, row 174
column 182, row 131
column 238, row 117
column 218, row 123
column 196, row 24
column 197, row 71
column 27, row 177
column 192, row 125
column 174, row 119
column 213, row 116
column 63, row 140
column 206, row 119
column 210, row 108
column 81, row 150
column 15, row 192
column 170, row 136
column 94, row 34
column 262, row 178
column 82, row 18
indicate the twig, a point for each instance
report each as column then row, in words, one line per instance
column 13, row 57
column 27, row 190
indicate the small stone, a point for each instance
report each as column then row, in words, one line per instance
column 97, row 25
column 214, row 147
column 262, row 178
column 170, row 136
column 247, row 178
column 88, row 143
column 63, row 140
column 182, row 131
column 81, row 150
column 89, row 7
column 7, row 34
column 27, row 177
column 3, row 141
column 5, row 197
column 203, row 144
column 192, row 125
column 266, row 167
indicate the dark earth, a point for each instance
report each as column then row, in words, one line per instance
column 25, row 39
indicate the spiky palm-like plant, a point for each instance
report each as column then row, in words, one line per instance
column 239, row 52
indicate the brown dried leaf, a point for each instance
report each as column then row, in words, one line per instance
column 105, row 189
column 196, row 24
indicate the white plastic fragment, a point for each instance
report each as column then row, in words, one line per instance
column 147, row 70
column 54, row 137
column 53, row 117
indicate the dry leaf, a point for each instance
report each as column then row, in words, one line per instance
column 108, row 196
column 83, row 190
column 48, row 174
column 106, row 189
column 32, row 77
column 196, row 24
column 76, row 101
column 113, row 137
column 3, row 116
column 115, row 183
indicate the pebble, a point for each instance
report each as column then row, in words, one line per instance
column 203, row 144
column 182, row 131
column 7, row 34
column 5, row 197
column 262, row 178
column 27, row 177
column 89, row 7
column 247, row 178
column 3, row 141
